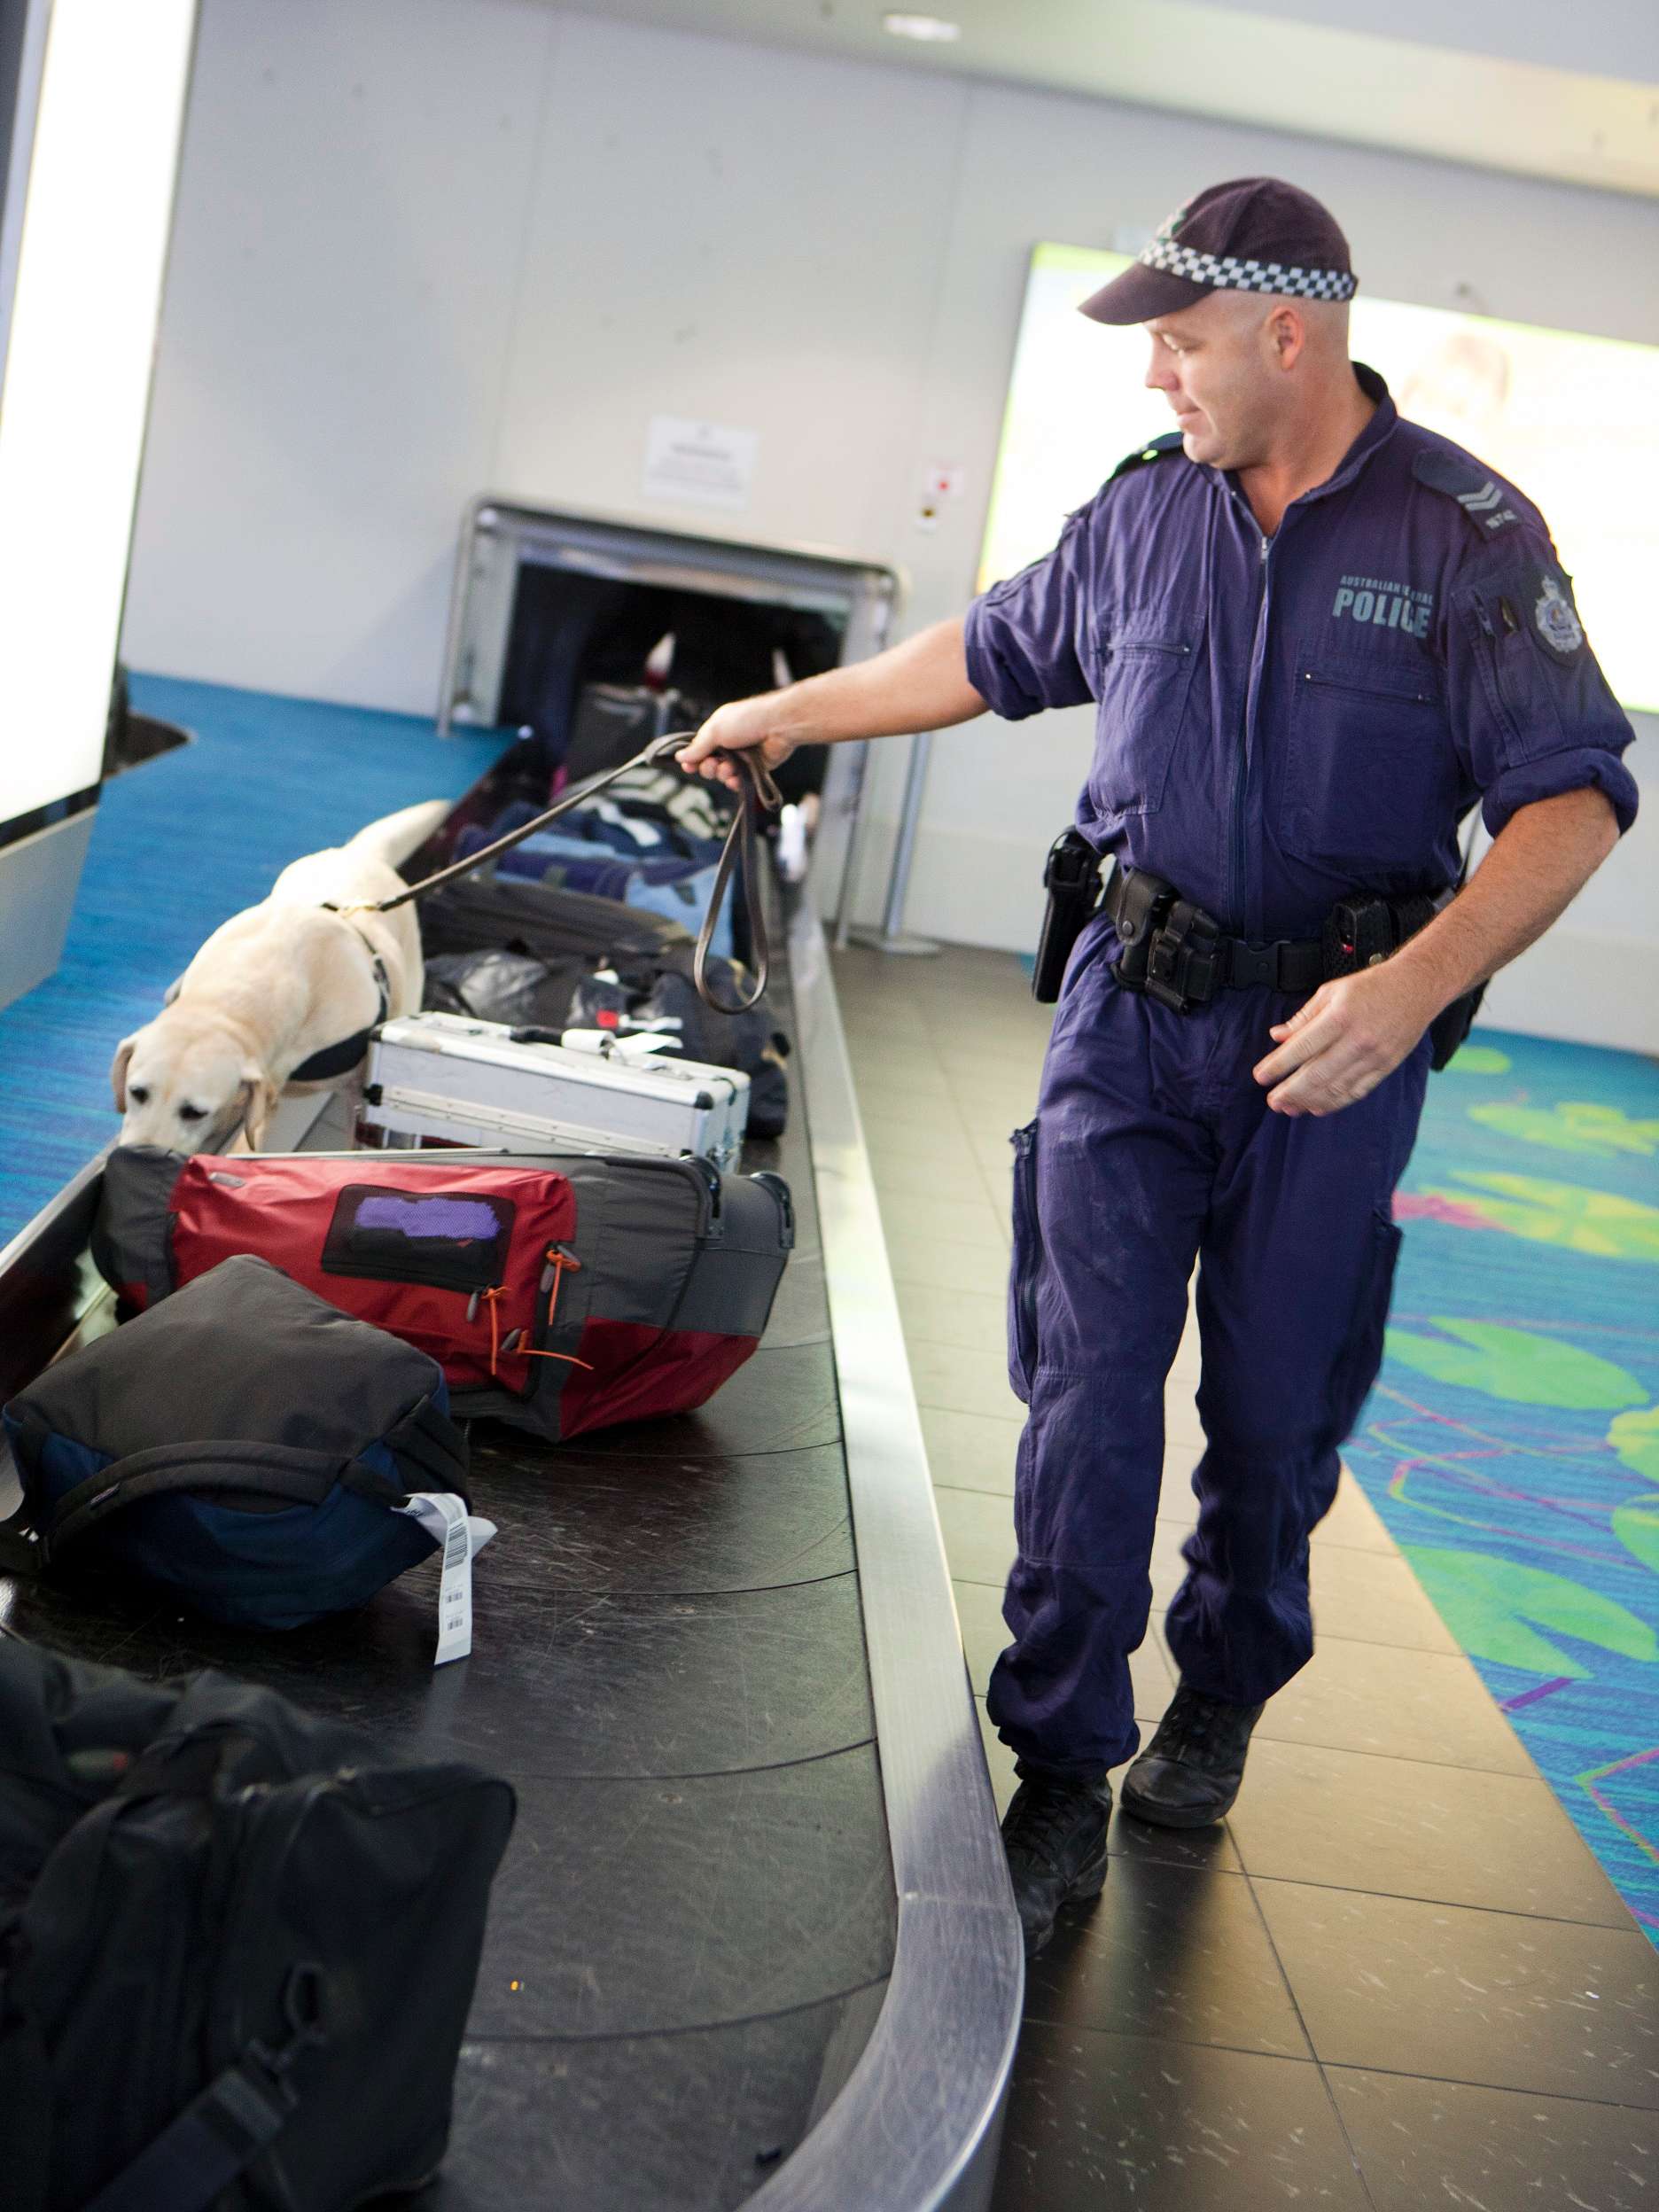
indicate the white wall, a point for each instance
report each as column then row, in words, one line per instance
column 339, row 314
column 426, row 247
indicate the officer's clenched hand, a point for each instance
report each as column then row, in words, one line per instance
column 1350, row 1034
column 745, row 724
column 920, row 684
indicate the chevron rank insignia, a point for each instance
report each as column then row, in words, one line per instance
column 1482, row 499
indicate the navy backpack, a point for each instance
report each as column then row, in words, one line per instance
column 249, row 1447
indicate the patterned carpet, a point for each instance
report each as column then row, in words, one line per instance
column 267, row 778
column 1511, row 1444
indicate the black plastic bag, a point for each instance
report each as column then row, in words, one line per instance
column 659, row 997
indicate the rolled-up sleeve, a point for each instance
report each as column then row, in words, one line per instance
column 1533, row 710
column 1023, row 638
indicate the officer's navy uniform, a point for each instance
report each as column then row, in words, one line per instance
column 1280, row 722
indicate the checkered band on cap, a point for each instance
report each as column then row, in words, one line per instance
column 1226, row 272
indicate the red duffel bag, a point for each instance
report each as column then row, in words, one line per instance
column 559, row 1292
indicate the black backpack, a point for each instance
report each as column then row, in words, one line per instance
column 238, row 1946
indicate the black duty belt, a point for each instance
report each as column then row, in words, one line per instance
column 1179, row 954
column 1175, row 952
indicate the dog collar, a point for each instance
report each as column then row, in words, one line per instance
column 337, row 1060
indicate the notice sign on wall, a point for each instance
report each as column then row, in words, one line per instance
column 699, row 465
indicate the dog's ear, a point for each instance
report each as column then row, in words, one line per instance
column 118, row 1071
column 257, row 1098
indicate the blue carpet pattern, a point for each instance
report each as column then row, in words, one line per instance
column 1512, row 1442
column 179, row 844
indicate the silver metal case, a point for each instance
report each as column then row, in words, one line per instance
column 470, row 1082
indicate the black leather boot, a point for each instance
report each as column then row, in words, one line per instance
column 1054, row 1834
column 1189, row 1773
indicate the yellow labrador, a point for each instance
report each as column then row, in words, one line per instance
column 275, row 988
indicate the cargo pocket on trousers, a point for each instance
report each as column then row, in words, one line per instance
column 1022, row 1297
column 1362, row 1356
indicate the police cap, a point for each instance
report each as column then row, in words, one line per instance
column 1254, row 234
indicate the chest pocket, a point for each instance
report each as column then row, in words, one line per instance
column 1144, row 685
column 1369, row 777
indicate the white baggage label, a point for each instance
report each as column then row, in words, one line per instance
column 641, row 1046
column 462, row 1536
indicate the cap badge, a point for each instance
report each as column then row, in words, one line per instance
column 1557, row 618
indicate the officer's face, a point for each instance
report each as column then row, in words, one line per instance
column 1215, row 364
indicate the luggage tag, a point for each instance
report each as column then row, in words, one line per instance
column 463, row 1534
column 639, row 1045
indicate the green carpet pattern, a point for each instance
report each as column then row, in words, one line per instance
column 1512, row 1442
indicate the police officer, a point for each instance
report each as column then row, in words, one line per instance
column 1316, row 635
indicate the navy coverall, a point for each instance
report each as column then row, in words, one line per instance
column 1280, row 721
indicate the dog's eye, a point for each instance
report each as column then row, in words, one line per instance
column 138, row 1096
column 192, row 1113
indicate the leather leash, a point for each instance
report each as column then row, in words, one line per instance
column 738, row 852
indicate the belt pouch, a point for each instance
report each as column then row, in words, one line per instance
column 1183, row 968
column 1141, row 903
column 1359, row 932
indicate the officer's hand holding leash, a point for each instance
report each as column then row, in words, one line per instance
column 1356, row 1030
column 920, row 684
column 745, row 725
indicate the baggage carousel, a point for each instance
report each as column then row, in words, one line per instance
column 753, row 1942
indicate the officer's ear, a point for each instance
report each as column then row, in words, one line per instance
column 1287, row 334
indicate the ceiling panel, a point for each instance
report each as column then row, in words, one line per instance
column 1472, row 84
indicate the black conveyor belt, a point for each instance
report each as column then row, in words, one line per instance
column 691, row 1938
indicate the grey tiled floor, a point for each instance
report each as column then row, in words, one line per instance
column 1396, row 1977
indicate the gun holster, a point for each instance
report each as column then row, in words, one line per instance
column 1452, row 1025
column 1071, row 877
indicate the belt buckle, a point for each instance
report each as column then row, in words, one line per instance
column 1254, row 964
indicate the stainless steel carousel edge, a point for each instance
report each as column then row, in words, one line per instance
column 918, row 2125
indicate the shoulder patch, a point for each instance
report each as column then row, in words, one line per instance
column 1482, row 499
column 1155, row 449
column 1554, row 617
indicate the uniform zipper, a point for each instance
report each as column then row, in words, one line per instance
column 1241, row 772
column 1027, row 1253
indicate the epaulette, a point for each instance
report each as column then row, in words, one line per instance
column 1482, row 499
column 1157, row 450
